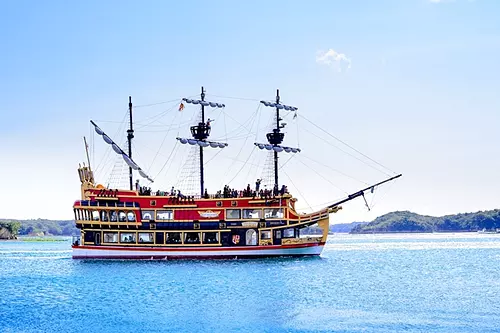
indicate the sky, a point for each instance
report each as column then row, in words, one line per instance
column 411, row 84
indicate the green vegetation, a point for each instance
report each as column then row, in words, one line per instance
column 412, row 222
column 334, row 228
column 9, row 229
column 38, row 227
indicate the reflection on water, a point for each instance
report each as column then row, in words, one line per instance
column 371, row 283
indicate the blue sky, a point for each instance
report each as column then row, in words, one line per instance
column 415, row 88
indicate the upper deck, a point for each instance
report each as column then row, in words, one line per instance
column 105, row 206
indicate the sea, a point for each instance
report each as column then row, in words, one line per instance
column 361, row 283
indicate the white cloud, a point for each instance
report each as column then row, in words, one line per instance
column 332, row 58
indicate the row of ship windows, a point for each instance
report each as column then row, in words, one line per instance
column 171, row 237
column 231, row 214
column 188, row 237
column 104, row 216
column 166, row 215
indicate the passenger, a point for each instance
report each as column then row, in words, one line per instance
column 257, row 185
column 137, row 186
column 283, row 188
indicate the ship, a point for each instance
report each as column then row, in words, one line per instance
column 139, row 223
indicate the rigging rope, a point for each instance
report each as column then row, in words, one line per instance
column 243, row 146
column 338, row 188
column 165, row 102
column 237, row 173
column 331, row 135
column 302, row 196
column 335, row 170
column 345, row 152
column 168, row 159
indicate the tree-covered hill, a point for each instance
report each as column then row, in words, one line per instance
column 411, row 222
column 37, row 227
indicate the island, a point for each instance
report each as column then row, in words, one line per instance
column 405, row 221
column 11, row 228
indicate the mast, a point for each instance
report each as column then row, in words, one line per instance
column 86, row 150
column 130, row 136
column 275, row 138
column 202, row 180
column 277, row 130
column 201, row 132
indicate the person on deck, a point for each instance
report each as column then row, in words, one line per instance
column 257, row 185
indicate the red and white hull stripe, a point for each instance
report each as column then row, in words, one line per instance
column 121, row 252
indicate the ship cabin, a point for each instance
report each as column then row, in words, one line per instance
column 108, row 217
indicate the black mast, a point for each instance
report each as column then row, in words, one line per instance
column 201, row 132
column 275, row 152
column 202, row 181
column 275, row 138
column 130, row 136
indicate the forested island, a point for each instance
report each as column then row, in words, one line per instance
column 10, row 228
column 411, row 222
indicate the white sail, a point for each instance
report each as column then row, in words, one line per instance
column 120, row 151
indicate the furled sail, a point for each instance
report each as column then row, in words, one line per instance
column 204, row 103
column 277, row 148
column 202, row 143
column 120, row 151
column 279, row 106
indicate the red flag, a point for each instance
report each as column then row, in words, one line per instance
column 181, row 107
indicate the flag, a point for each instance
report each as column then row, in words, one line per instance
column 181, row 107
column 295, row 115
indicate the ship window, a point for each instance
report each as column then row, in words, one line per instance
column 127, row 237
column 173, row 238
column 104, row 216
column 210, row 237
column 122, row 217
column 145, row 237
column 191, row 238
column 251, row 237
column 112, row 216
column 88, row 236
column 131, row 216
column 219, row 203
column 233, row 214
column 289, row 233
column 148, row 215
column 153, row 202
column 160, row 236
column 95, row 215
column 265, row 234
column 234, row 203
column 252, row 213
column 110, row 237
column 273, row 213
column 278, row 234
column 164, row 215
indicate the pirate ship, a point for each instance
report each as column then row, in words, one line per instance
column 138, row 223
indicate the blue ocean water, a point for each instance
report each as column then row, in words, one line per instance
column 362, row 283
